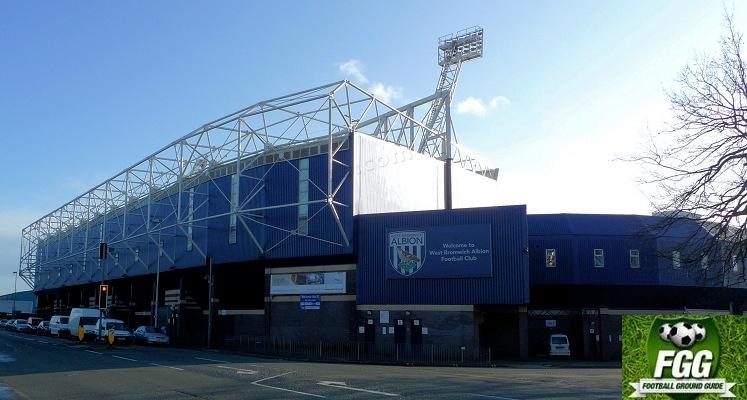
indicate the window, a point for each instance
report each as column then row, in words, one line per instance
column 598, row 258
column 635, row 258
column 303, row 197
column 704, row 262
column 551, row 260
column 676, row 259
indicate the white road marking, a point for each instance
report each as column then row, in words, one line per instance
column 343, row 385
column 257, row 383
column 94, row 352
column 43, row 341
column 238, row 370
column 4, row 358
column 167, row 366
column 124, row 358
column 210, row 359
column 492, row 397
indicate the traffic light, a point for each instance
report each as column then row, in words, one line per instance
column 103, row 298
column 103, row 250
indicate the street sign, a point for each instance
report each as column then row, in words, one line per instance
column 310, row 301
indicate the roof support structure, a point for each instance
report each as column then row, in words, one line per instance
column 160, row 196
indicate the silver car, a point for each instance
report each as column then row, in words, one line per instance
column 150, row 335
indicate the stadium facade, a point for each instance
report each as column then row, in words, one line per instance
column 330, row 214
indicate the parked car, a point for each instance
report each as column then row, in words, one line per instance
column 21, row 325
column 150, row 335
column 33, row 322
column 42, row 329
column 58, row 326
column 559, row 345
column 121, row 333
column 85, row 318
column 7, row 324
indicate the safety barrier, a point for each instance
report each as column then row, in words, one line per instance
column 365, row 352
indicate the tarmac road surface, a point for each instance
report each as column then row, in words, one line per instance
column 48, row 368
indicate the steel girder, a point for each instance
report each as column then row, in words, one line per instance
column 138, row 205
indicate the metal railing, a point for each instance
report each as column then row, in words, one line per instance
column 366, row 352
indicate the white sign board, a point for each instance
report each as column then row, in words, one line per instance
column 550, row 323
column 307, row 283
column 384, row 317
column 361, row 329
column 391, row 330
column 425, row 331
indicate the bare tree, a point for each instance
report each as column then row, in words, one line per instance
column 699, row 163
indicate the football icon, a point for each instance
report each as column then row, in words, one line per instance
column 664, row 332
column 700, row 332
column 682, row 335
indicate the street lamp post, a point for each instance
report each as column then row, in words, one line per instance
column 158, row 274
column 15, row 287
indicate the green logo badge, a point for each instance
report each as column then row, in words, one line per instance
column 682, row 360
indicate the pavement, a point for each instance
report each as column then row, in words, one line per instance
column 34, row 367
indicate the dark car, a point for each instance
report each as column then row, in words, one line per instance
column 150, row 335
column 33, row 322
column 42, row 329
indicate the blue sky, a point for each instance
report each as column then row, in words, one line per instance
column 88, row 88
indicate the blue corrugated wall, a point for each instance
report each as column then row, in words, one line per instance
column 508, row 285
column 270, row 226
column 575, row 236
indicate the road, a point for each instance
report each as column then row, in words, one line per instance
column 34, row 367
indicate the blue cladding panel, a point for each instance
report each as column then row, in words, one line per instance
column 508, row 285
column 263, row 186
column 576, row 236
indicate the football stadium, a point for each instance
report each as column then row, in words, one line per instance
column 328, row 215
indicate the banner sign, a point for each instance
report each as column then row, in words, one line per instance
column 310, row 302
column 684, row 356
column 456, row 251
column 307, row 283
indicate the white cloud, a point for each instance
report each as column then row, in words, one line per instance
column 385, row 93
column 477, row 106
column 472, row 105
column 498, row 101
column 354, row 69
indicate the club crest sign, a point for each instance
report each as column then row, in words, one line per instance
column 407, row 251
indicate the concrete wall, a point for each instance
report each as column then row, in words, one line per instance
column 446, row 325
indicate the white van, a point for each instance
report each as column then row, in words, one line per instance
column 121, row 333
column 58, row 326
column 559, row 345
column 85, row 317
